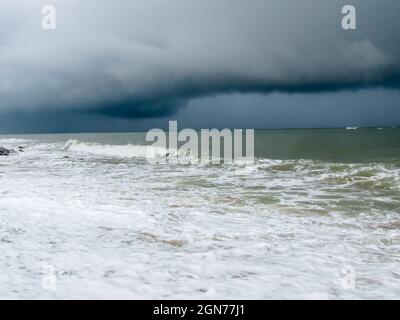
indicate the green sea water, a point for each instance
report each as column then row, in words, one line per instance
column 115, row 226
column 329, row 145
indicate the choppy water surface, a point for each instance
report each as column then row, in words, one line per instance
column 114, row 226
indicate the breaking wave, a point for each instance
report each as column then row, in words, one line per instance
column 14, row 141
column 125, row 151
column 282, row 228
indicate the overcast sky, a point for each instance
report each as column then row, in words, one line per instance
column 127, row 65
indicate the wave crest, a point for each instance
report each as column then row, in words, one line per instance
column 14, row 140
column 125, row 151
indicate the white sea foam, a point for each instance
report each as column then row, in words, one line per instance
column 129, row 229
column 128, row 151
column 14, row 141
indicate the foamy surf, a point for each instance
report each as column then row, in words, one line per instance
column 14, row 141
column 111, row 225
column 125, row 151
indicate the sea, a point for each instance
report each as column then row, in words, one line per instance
column 86, row 216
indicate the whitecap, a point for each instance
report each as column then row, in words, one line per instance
column 14, row 141
column 125, row 151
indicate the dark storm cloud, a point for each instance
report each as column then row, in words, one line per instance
column 146, row 58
